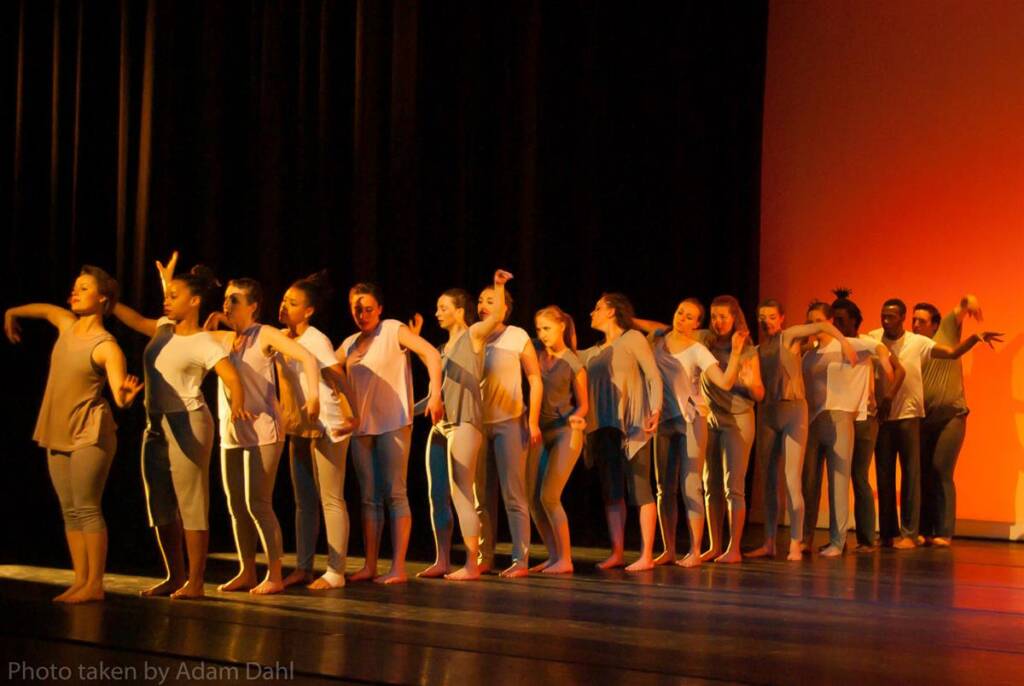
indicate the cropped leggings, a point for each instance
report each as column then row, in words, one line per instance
column 382, row 463
column 730, row 437
column 452, row 452
column 248, row 475
column 502, row 462
column 679, row 450
column 78, row 477
column 782, row 433
column 318, row 474
column 176, row 450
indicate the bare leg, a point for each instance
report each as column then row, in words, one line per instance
column 615, row 514
column 197, row 542
column 372, row 530
column 471, row 570
column 648, row 525
column 401, row 527
column 244, row 580
column 96, row 562
column 272, row 582
column 694, row 558
column 169, row 538
column 732, row 554
column 79, row 562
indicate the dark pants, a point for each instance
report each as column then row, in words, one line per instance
column 900, row 438
column 940, row 447
column 864, row 435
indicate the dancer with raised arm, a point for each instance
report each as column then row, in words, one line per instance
column 179, row 434
column 75, row 424
column 375, row 360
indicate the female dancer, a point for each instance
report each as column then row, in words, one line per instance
column 179, row 435
column 317, row 444
column 782, row 419
column 563, row 412
column 730, row 429
column 682, row 436
column 509, row 353
column 250, row 452
column 625, row 405
column 75, row 425
column 454, row 442
column 376, row 361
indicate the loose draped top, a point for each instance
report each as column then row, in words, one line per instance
column 175, row 367
column 680, row 378
column 74, row 413
column 256, row 372
column 944, row 379
column 559, row 401
column 738, row 400
column 624, row 387
column 381, row 379
column 462, row 369
column 502, row 387
column 295, row 389
column 780, row 371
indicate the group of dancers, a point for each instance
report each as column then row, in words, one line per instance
column 681, row 400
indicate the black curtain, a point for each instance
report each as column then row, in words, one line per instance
column 584, row 146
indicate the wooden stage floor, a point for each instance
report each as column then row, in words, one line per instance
column 926, row 616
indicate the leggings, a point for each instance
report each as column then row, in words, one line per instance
column 830, row 440
column 864, row 434
column 381, row 463
column 940, row 448
column 547, row 471
column 782, row 432
column 730, row 437
column 452, row 451
column 248, row 475
column 78, row 477
column 679, row 449
column 900, row 437
column 621, row 478
column 503, row 461
column 176, row 451
column 318, row 473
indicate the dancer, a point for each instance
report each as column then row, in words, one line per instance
column 782, row 419
column 75, row 424
column 317, row 444
column 899, row 435
column 454, row 442
column 508, row 355
column 625, row 396
column 377, row 364
column 250, row 453
column 563, row 412
column 179, row 434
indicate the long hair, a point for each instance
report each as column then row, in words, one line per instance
column 623, row 309
column 565, row 319
column 739, row 321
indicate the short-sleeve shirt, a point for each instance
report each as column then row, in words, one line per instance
column 175, row 367
column 313, row 340
column 256, row 372
column 381, row 379
column 502, row 385
column 680, row 379
column 832, row 383
column 559, row 400
column 913, row 351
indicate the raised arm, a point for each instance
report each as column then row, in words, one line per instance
column 948, row 352
column 482, row 329
column 236, row 394
column 431, row 359
column 274, row 339
column 123, row 386
column 968, row 307
column 800, row 332
column 727, row 379
column 58, row 316
column 649, row 326
column 528, row 358
column 134, row 320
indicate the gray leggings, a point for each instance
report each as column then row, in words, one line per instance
column 503, row 461
column 318, row 475
column 452, row 451
column 679, row 449
column 730, row 437
column 830, row 440
column 621, row 478
column 78, row 477
column 548, row 468
column 381, row 463
column 864, row 434
column 940, row 447
column 248, row 475
column 782, row 432
column 176, row 451
column 900, row 437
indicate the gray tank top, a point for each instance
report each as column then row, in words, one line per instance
column 74, row 413
column 463, row 368
column 559, row 399
column 780, row 372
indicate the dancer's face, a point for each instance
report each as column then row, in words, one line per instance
column 485, row 303
column 85, row 296
column 816, row 317
column 550, row 332
column 722, row 321
column 892, row 321
column 846, row 324
column 179, row 302
column 448, row 316
column 294, row 308
column 602, row 316
column 686, row 318
column 922, row 324
column 365, row 311
column 770, row 320
column 238, row 308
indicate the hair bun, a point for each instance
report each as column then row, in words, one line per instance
column 842, row 292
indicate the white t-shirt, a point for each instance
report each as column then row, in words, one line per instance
column 381, row 380
column 256, row 371
column 313, row 340
column 912, row 350
column 179, row 365
column 502, row 385
column 680, row 376
column 832, row 383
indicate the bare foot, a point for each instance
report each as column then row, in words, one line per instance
column 242, row 582
column 268, row 587
column 391, row 577
column 730, row 557
column 516, row 571
column 542, row 566
column 903, row 543
column 560, row 567
column 711, row 554
column 766, row 550
column 691, row 560
column 864, row 548
column 942, row 542
column 298, row 576
column 666, row 558
column 831, row 551
column 463, row 574
column 190, row 591
column 85, row 594
column 796, row 552
column 165, row 587
column 922, row 540
column 614, row 560
column 364, row 574
column 484, row 567
column 805, row 546
column 641, row 565
column 69, row 591
column 435, row 571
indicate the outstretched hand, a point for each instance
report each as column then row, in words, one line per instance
column 130, row 387
column 501, row 277
column 11, row 328
column 416, row 324
column 167, row 272
column 988, row 337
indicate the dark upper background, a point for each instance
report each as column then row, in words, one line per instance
column 584, row 146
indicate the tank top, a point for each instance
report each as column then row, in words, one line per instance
column 502, row 386
column 780, row 371
column 462, row 370
column 680, row 379
column 256, row 371
column 74, row 413
column 559, row 400
column 381, row 379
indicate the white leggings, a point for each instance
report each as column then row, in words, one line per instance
column 318, row 472
column 452, row 452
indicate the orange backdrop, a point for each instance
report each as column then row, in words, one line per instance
column 894, row 164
